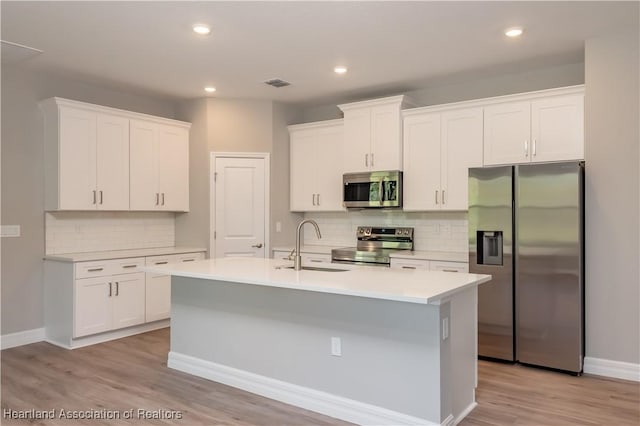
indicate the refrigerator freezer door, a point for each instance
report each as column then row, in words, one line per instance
column 549, row 279
column 491, row 224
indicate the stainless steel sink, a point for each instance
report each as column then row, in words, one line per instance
column 314, row 268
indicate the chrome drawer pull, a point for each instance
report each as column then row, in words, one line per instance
column 449, row 270
column 94, row 269
column 129, row 266
column 408, row 267
column 161, row 263
column 189, row 260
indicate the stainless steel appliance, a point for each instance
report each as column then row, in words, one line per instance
column 374, row 245
column 526, row 230
column 372, row 189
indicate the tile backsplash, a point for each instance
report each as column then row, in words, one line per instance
column 79, row 232
column 433, row 231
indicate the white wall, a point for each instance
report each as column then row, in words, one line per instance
column 612, row 197
column 23, row 179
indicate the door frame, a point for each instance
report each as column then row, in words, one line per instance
column 267, row 196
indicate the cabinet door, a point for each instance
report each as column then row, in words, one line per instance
column 420, row 264
column 92, row 306
column 357, row 136
column 173, row 168
column 461, row 149
column 329, row 143
column 157, row 297
column 386, row 142
column 112, row 144
column 421, row 178
column 507, row 131
column 128, row 298
column 144, row 194
column 303, row 170
column 77, row 159
column 557, row 128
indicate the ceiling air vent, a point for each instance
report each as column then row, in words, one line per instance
column 276, row 82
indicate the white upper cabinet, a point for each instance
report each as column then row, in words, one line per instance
column 544, row 128
column 439, row 148
column 88, row 163
column 86, row 158
column 373, row 134
column 316, row 166
column 159, row 166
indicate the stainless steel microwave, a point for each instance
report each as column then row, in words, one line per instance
column 372, row 189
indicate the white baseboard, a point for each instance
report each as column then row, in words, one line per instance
column 21, row 338
column 110, row 335
column 609, row 368
column 299, row 396
column 465, row 413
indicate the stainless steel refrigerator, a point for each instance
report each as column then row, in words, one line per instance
column 526, row 229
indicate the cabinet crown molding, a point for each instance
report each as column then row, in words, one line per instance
column 57, row 102
column 525, row 96
column 315, row 125
column 402, row 100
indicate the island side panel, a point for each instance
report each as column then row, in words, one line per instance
column 390, row 350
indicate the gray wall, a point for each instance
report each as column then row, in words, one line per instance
column 612, row 197
column 236, row 125
column 23, row 180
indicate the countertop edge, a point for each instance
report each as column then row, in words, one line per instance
column 121, row 254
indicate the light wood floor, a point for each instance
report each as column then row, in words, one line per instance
column 131, row 373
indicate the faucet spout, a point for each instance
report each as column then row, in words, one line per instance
column 297, row 260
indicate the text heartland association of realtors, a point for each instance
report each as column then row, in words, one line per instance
column 91, row 414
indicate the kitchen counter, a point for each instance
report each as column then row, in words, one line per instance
column 413, row 286
column 367, row 345
column 311, row 249
column 121, row 254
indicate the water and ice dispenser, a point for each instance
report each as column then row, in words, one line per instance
column 489, row 247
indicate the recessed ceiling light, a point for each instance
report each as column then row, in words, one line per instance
column 340, row 70
column 209, row 89
column 513, row 32
column 201, row 29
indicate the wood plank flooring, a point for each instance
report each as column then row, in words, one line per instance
column 131, row 373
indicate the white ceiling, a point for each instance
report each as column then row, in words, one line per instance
column 149, row 46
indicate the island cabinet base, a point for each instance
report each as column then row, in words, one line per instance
column 398, row 362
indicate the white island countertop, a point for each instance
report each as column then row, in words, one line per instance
column 413, row 286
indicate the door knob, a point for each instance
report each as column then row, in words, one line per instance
column 259, row 245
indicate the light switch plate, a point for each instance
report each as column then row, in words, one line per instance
column 10, row 231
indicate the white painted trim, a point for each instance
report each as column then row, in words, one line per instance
column 448, row 421
column 464, row 413
column 267, row 197
column 315, row 125
column 400, row 100
column 610, row 368
column 299, row 396
column 22, row 338
column 110, row 335
column 474, row 103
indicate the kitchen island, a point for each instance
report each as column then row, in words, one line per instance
column 368, row 345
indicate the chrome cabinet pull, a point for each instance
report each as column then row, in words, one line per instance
column 526, row 148
column 366, row 160
column 94, row 196
column 315, row 260
column 110, row 290
column 408, row 267
column 100, row 197
column 117, row 288
column 259, row 245
column 188, row 260
column 443, row 196
column 163, row 198
column 372, row 159
column 436, row 196
column 94, row 269
column 157, row 199
column 534, row 148
column 318, row 199
column 449, row 270
column 161, row 263
column 313, row 198
column 129, row 266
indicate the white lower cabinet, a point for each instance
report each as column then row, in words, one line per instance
column 109, row 302
column 158, row 288
column 449, row 266
column 429, row 265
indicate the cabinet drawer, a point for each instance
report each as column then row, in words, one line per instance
column 420, row 264
column 127, row 266
column 315, row 259
column 158, row 260
column 281, row 255
column 449, row 266
column 188, row 257
column 96, row 268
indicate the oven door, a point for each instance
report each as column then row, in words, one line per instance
column 372, row 190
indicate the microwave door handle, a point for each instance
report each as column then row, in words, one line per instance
column 381, row 191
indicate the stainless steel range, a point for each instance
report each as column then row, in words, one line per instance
column 374, row 245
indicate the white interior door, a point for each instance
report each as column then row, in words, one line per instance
column 240, row 186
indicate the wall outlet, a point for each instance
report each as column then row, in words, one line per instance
column 10, row 230
column 336, row 346
column 278, row 226
column 445, row 328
